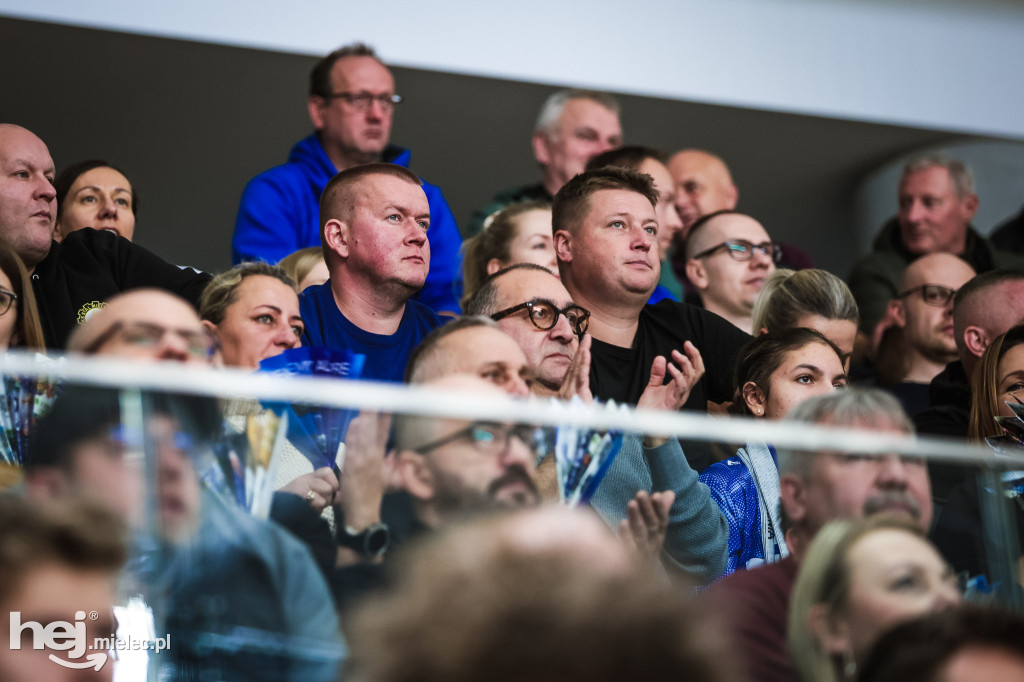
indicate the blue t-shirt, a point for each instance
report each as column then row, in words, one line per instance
column 386, row 355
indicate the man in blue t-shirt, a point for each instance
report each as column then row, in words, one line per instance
column 373, row 227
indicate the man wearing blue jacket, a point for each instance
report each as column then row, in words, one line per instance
column 351, row 103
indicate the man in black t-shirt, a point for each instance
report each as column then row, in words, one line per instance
column 605, row 233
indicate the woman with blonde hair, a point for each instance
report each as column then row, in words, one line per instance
column 518, row 233
column 810, row 298
column 858, row 579
column 306, row 267
column 998, row 379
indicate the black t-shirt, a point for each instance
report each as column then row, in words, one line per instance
column 621, row 374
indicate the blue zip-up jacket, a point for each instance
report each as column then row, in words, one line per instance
column 280, row 213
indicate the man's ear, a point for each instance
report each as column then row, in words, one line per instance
column 563, row 246
column 732, row 197
column 754, row 398
column 792, row 498
column 415, row 475
column 337, row 237
column 969, row 206
column 896, row 311
column 316, row 106
column 697, row 274
column 540, row 147
column 494, row 265
column 830, row 629
column 46, row 483
column 976, row 340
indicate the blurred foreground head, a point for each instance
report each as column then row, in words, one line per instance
column 543, row 594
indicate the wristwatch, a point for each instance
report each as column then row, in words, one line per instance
column 371, row 542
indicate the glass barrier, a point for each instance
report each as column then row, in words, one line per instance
column 261, row 507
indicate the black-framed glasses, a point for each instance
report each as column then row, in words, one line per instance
column 487, row 438
column 7, row 299
column 934, row 295
column 200, row 344
column 742, row 250
column 544, row 315
column 361, row 101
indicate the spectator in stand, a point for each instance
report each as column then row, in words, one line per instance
column 351, row 102
column 817, row 488
column 72, row 278
column 728, row 258
column 936, row 206
column 960, row 531
column 306, row 267
column 704, row 185
column 985, row 307
column 57, row 560
column 961, row 644
column 533, row 307
column 19, row 321
column 652, row 162
column 774, row 373
column 95, row 194
column 919, row 341
column 463, row 602
column 1009, row 235
column 252, row 311
column 811, row 298
column 374, row 221
column 573, row 126
column 518, row 233
column 858, row 579
column 606, row 233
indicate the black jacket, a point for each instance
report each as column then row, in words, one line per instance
column 89, row 267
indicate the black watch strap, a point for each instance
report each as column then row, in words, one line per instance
column 371, row 542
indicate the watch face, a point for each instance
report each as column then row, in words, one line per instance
column 377, row 540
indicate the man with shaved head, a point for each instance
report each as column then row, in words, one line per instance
column 373, row 227
column 922, row 320
column 703, row 185
column 72, row 278
column 728, row 258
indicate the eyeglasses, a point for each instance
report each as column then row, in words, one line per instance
column 933, row 294
column 487, row 438
column 742, row 250
column 544, row 315
column 200, row 344
column 7, row 299
column 361, row 101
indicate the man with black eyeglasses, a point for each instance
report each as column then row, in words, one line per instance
column 351, row 104
column 921, row 341
column 729, row 256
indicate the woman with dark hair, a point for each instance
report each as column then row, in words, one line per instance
column 19, row 316
column 774, row 373
column 95, row 194
column 518, row 233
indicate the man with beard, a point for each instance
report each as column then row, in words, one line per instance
column 922, row 342
column 452, row 467
column 817, row 488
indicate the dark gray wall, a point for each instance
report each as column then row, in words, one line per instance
column 191, row 123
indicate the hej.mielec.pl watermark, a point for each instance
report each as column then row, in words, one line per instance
column 61, row 635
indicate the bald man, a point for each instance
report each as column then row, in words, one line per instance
column 703, row 185
column 145, row 324
column 71, row 278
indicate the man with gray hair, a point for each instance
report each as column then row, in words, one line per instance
column 936, row 206
column 817, row 488
column 573, row 127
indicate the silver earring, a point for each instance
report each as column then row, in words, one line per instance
column 849, row 666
